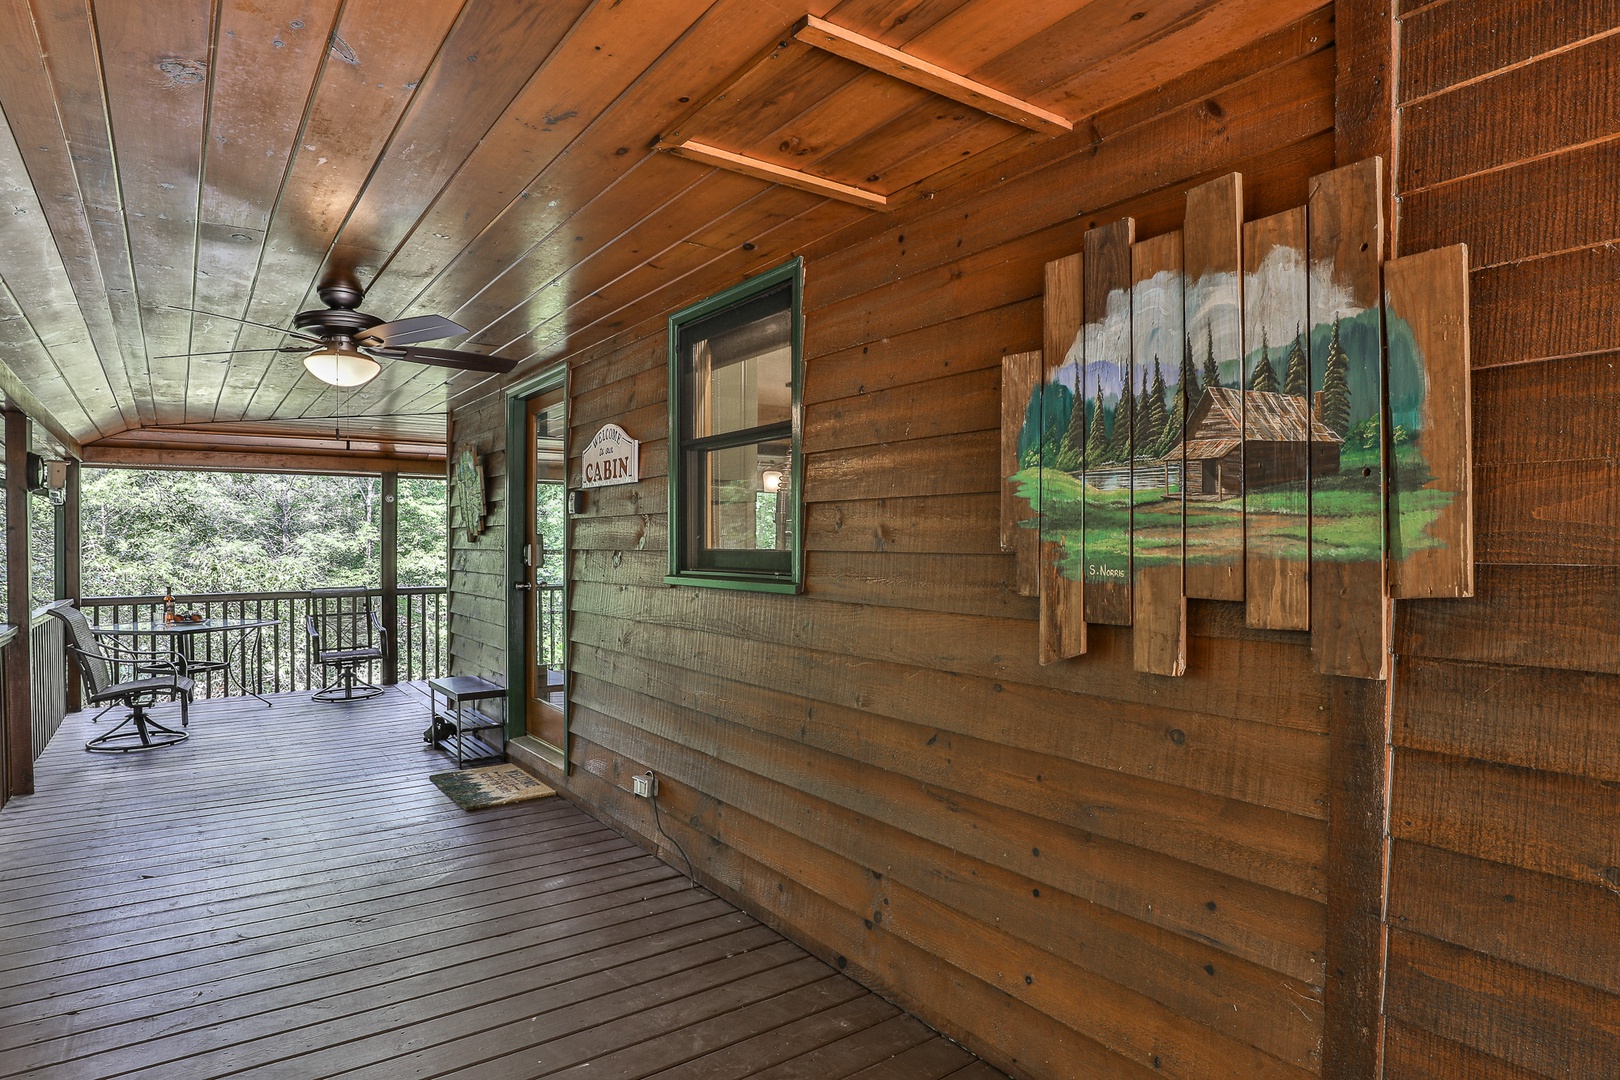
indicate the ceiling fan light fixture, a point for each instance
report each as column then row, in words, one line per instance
column 339, row 365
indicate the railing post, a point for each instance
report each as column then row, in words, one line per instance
column 390, row 576
column 19, row 743
column 70, row 568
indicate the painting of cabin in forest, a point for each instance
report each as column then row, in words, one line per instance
column 1215, row 467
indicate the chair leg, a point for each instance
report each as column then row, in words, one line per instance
column 345, row 686
column 147, row 734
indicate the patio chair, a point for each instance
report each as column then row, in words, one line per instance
column 344, row 633
column 99, row 659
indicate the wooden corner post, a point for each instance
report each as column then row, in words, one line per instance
column 390, row 576
column 19, row 763
column 1359, row 742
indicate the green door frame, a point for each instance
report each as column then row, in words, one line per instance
column 518, row 480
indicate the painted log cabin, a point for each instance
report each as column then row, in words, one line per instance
column 786, row 250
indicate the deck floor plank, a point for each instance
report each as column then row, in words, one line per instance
column 287, row 895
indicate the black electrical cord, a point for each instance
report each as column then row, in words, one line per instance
column 659, row 822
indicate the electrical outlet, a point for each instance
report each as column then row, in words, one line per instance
column 645, row 786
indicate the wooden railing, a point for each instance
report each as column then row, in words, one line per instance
column 47, row 666
column 278, row 658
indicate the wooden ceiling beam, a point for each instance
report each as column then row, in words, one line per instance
column 862, row 50
column 143, row 457
column 771, row 172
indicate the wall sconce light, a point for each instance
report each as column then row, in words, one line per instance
column 771, row 479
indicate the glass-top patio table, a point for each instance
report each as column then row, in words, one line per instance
column 183, row 631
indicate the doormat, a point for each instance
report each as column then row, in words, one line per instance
column 493, row 785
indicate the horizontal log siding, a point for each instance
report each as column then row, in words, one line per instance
column 1505, row 863
column 477, row 594
column 1071, row 867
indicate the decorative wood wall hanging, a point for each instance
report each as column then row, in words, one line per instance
column 470, row 500
column 817, row 110
column 1212, row 418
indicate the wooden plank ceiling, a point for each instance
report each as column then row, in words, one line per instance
column 536, row 171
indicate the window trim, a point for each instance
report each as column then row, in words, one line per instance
column 746, row 580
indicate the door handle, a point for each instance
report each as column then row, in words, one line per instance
column 526, row 586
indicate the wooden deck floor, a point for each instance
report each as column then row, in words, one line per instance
column 288, row 896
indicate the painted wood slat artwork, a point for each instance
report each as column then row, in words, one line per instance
column 1213, row 315
column 1105, row 485
column 1063, row 439
column 1020, row 513
column 1349, row 600
column 1283, row 438
column 1163, row 363
column 1431, row 508
column 1154, row 467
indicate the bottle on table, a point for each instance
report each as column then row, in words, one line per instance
column 168, row 605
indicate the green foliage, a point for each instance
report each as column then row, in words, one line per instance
column 145, row 532
column 1364, row 435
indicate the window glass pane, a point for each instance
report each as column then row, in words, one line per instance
column 738, row 367
column 740, row 499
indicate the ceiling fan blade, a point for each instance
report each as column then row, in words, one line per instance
column 392, row 335
column 245, row 322
column 234, row 352
column 450, row 358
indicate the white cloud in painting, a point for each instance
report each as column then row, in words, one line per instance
column 1212, row 314
column 1108, row 344
column 1274, row 300
column 1156, row 323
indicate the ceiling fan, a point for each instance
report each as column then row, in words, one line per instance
column 344, row 344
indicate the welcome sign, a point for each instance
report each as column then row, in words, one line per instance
column 612, row 457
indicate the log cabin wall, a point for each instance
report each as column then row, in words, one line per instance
column 477, row 582
column 1504, row 900
column 1074, row 869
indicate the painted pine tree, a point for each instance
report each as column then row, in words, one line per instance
column 1124, row 420
column 1150, row 441
column 1097, row 434
column 1264, row 378
column 1189, row 387
column 1212, row 370
column 1071, row 454
column 1297, row 375
column 1336, row 386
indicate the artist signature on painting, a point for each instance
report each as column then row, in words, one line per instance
column 1103, row 573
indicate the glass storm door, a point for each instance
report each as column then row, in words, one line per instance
column 545, row 570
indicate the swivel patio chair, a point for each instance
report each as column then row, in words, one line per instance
column 98, row 660
column 344, row 633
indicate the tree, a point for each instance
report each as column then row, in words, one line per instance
column 1189, row 387
column 1264, row 378
column 1097, row 434
column 1155, row 418
column 1124, row 418
column 1297, row 376
column 1185, row 397
column 1071, row 455
column 1336, row 386
column 1212, row 370
column 145, row 533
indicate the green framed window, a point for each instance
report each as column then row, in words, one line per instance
column 734, row 420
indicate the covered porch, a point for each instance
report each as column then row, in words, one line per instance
column 299, row 900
